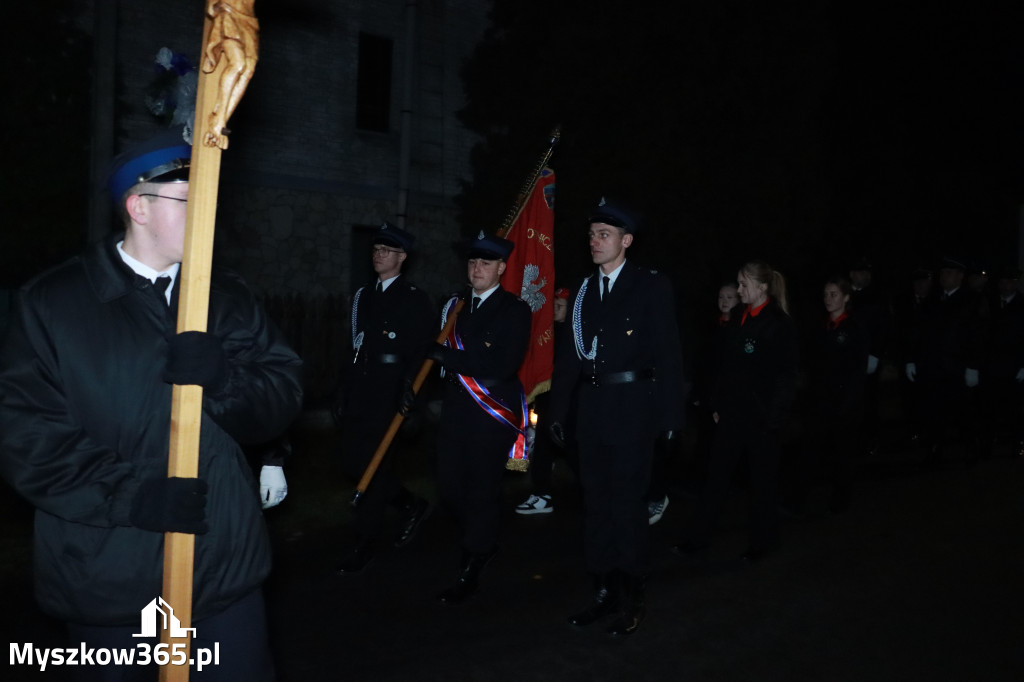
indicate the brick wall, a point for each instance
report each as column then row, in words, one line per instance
column 298, row 175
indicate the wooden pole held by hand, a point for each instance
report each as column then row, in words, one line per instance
column 194, row 296
column 399, row 417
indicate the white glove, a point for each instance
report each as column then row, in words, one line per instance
column 872, row 364
column 1020, row 375
column 273, row 486
column 911, row 371
column 971, row 377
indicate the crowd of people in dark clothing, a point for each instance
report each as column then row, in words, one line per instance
column 935, row 369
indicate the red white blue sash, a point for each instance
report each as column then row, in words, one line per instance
column 492, row 406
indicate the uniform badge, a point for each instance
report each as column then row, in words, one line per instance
column 391, row 335
column 629, row 332
column 748, row 347
column 841, row 338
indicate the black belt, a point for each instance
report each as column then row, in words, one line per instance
column 621, row 377
column 381, row 359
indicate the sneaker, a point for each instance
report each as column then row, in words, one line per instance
column 536, row 504
column 655, row 510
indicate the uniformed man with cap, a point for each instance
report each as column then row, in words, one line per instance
column 85, row 400
column 872, row 308
column 623, row 367
column 1001, row 379
column 392, row 327
column 944, row 359
column 483, row 419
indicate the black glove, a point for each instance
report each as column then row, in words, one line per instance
column 170, row 505
column 196, row 358
column 557, row 434
column 408, row 399
column 437, row 352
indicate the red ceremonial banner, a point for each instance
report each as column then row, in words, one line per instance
column 530, row 273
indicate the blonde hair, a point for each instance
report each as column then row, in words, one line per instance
column 762, row 272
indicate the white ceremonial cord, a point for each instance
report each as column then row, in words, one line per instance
column 577, row 326
column 357, row 337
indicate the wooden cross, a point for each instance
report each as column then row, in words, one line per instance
column 229, row 59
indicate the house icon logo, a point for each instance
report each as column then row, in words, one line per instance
column 167, row 618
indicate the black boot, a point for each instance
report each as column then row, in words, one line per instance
column 413, row 515
column 469, row 578
column 606, row 601
column 634, row 606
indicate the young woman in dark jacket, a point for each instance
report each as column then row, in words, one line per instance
column 753, row 391
column 836, row 373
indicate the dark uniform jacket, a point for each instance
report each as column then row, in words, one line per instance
column 836, row 363
column 949, row 336
column 1004, row 353
column 872, row 309
column 397, row 326
column 495, row 339
column 636, row 331
column 756, row 382
column 85, row 416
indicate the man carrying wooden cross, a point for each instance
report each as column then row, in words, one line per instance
column 86, row 378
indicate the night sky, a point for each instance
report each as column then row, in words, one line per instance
column 807, row 135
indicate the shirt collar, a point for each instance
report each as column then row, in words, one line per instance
column 385, row 283
column 753, row 312
column 483, row 297
column 612, row 276
column 832, row 324
column 143, row 270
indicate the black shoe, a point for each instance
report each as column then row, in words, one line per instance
column 606, row 602
column 627, row 622
column 415, row 513
column 469, row 578
column 356, row 560
column 634, row 607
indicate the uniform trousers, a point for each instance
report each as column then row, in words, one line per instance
column 239, row 632
column 760, row 449
column 472, row 450
column 615, row 459
column 945, row 408
column 361, row 434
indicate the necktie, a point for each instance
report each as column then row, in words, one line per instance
column 161, row 285
column 476, row 304
column 607, row 283
column 378, row 288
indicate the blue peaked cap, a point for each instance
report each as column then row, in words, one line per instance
column 613, row 213
column 489, row 247
column 162, row 158
column 394, row 236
